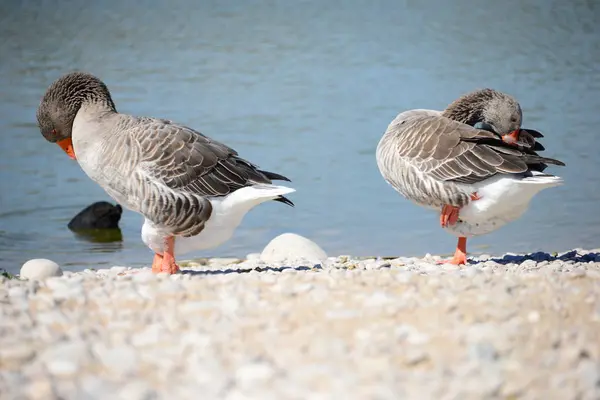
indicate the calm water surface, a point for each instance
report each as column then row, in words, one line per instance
column 305, row 89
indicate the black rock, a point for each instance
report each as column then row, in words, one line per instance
column 100, row 215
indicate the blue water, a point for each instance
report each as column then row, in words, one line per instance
column 305, row 89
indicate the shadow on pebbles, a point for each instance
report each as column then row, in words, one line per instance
column 517, row 326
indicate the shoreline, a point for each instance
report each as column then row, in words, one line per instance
column 516, row 326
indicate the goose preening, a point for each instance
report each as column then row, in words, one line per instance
column 192, row 190
column 472, row 162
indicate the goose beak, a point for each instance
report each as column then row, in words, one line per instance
column 512, row 138
column 67, row 146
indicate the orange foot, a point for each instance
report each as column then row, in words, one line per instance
column 168, row 264
column 460, row 255
column 168, row 258
column 449, row 215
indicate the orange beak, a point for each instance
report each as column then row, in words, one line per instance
column 512, row 137
column 67, row 146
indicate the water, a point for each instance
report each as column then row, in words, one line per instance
column 305, row 89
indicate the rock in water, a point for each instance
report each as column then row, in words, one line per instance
column 40, row 268
column 100, row 215
column 290, row 247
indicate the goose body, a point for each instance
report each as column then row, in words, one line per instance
column 227, row 214
column 477, row 178
column 185, row 184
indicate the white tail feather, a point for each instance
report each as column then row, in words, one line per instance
column 250, row 196
column 539, row 178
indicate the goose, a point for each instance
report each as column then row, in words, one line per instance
column 192, row 191
column 472, row 162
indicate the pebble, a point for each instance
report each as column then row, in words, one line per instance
column 254, row 373
column 342, row 327
column 15, row 354
column 39, row 268
column 291, row 247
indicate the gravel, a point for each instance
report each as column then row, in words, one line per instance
column 518, row 326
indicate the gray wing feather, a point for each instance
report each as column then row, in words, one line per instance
column 174, row 169
column 450, row 151
column 429, row 158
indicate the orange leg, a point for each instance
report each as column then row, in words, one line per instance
column 449, row 216
column 157, row 263
column 460, row 255
column 168, row 257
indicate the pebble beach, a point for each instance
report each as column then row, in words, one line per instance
column 507, row 327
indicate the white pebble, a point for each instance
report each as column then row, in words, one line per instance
column 289, row 246
column 250, row 374
column 118, row 270
column 40, row 268
column 120, row 360
column 533, row 317
column 62, row 367
column 17, row 292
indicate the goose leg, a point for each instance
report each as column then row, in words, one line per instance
column 168, row 258
column 460, row 255
column 157, row 263
column 449, row 216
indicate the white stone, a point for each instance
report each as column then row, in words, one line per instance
column 253, row 373
column 121, row 360
column 533, row 317
column 63, row 368
column 118, row 269
column 290, row 247
column 253, row 256
column 40, row 268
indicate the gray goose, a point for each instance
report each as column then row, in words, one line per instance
column 472, row 161
column 185, row 184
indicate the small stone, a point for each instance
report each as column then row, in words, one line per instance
column 40, row 389
column 65, row 358
column 378, row 299
column 533, row 317
column 137, row 390
column 40, row 268
column 251, row 374
column 415, row 355
column 144, row 276
column 253, row 256
column 93, row 387
column 118, row 270
column 483, row 351
column 588, row 372
column 17, row 292
column 120, row 361
column 223, row 262
column 290, row 247
column 57, row 284
column 16, row 354
column 63, row 368
column 491, row 264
